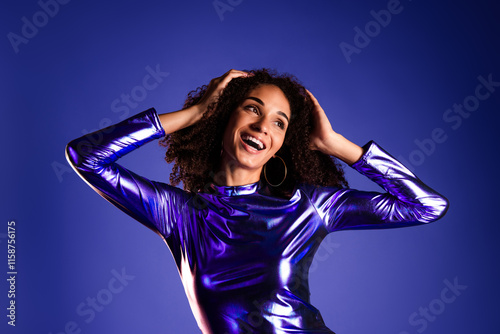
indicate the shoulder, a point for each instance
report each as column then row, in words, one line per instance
column 318, row 194
column 172, row 194
column 311, row 189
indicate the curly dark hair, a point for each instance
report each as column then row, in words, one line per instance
column 196, row 149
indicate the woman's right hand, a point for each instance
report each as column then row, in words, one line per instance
column 177, row 120
column 216, row 86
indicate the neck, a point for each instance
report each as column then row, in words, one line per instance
column 231, row 175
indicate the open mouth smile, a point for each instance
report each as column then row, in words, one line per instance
column 253, row 142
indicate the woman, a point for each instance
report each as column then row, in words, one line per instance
column 253, row 150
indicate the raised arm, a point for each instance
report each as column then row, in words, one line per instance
column 154, row 204
column 407, row 201
column 94, row 157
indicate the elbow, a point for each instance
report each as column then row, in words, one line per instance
column 441, row 207
column 74, row 155
column 436, row 208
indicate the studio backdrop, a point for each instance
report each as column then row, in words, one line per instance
column 421, row 78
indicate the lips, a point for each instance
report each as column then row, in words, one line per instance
column 253, row 142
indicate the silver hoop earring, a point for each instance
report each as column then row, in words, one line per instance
column 284, row 177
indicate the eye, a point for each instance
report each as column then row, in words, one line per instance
column 280, row 124
column 252, row 108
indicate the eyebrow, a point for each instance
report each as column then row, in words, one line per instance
column 262, row 103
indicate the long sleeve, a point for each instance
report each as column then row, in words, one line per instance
column 94, row 156
column 407, row 201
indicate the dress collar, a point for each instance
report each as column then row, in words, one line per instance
column 246, row 189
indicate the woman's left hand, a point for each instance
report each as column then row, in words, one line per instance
column 327, row 141
column 322, row 132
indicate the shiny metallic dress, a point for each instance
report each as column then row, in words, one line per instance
column 243, row 255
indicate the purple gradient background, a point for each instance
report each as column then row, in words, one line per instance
column 395, row 91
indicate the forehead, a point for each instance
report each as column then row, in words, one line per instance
column 272, row 96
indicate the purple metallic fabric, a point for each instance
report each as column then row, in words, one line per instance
column 243, row 256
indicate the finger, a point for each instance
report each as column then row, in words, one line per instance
column 230, row 75
column 232, row 71
column 217, row 85
column 313, row 98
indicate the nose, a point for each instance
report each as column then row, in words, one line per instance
column 260, row 126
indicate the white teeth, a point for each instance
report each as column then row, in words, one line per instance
column 255, row 140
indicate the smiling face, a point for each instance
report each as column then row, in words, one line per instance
column 255, row 132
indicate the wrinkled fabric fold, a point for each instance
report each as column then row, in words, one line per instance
column 244, row 256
